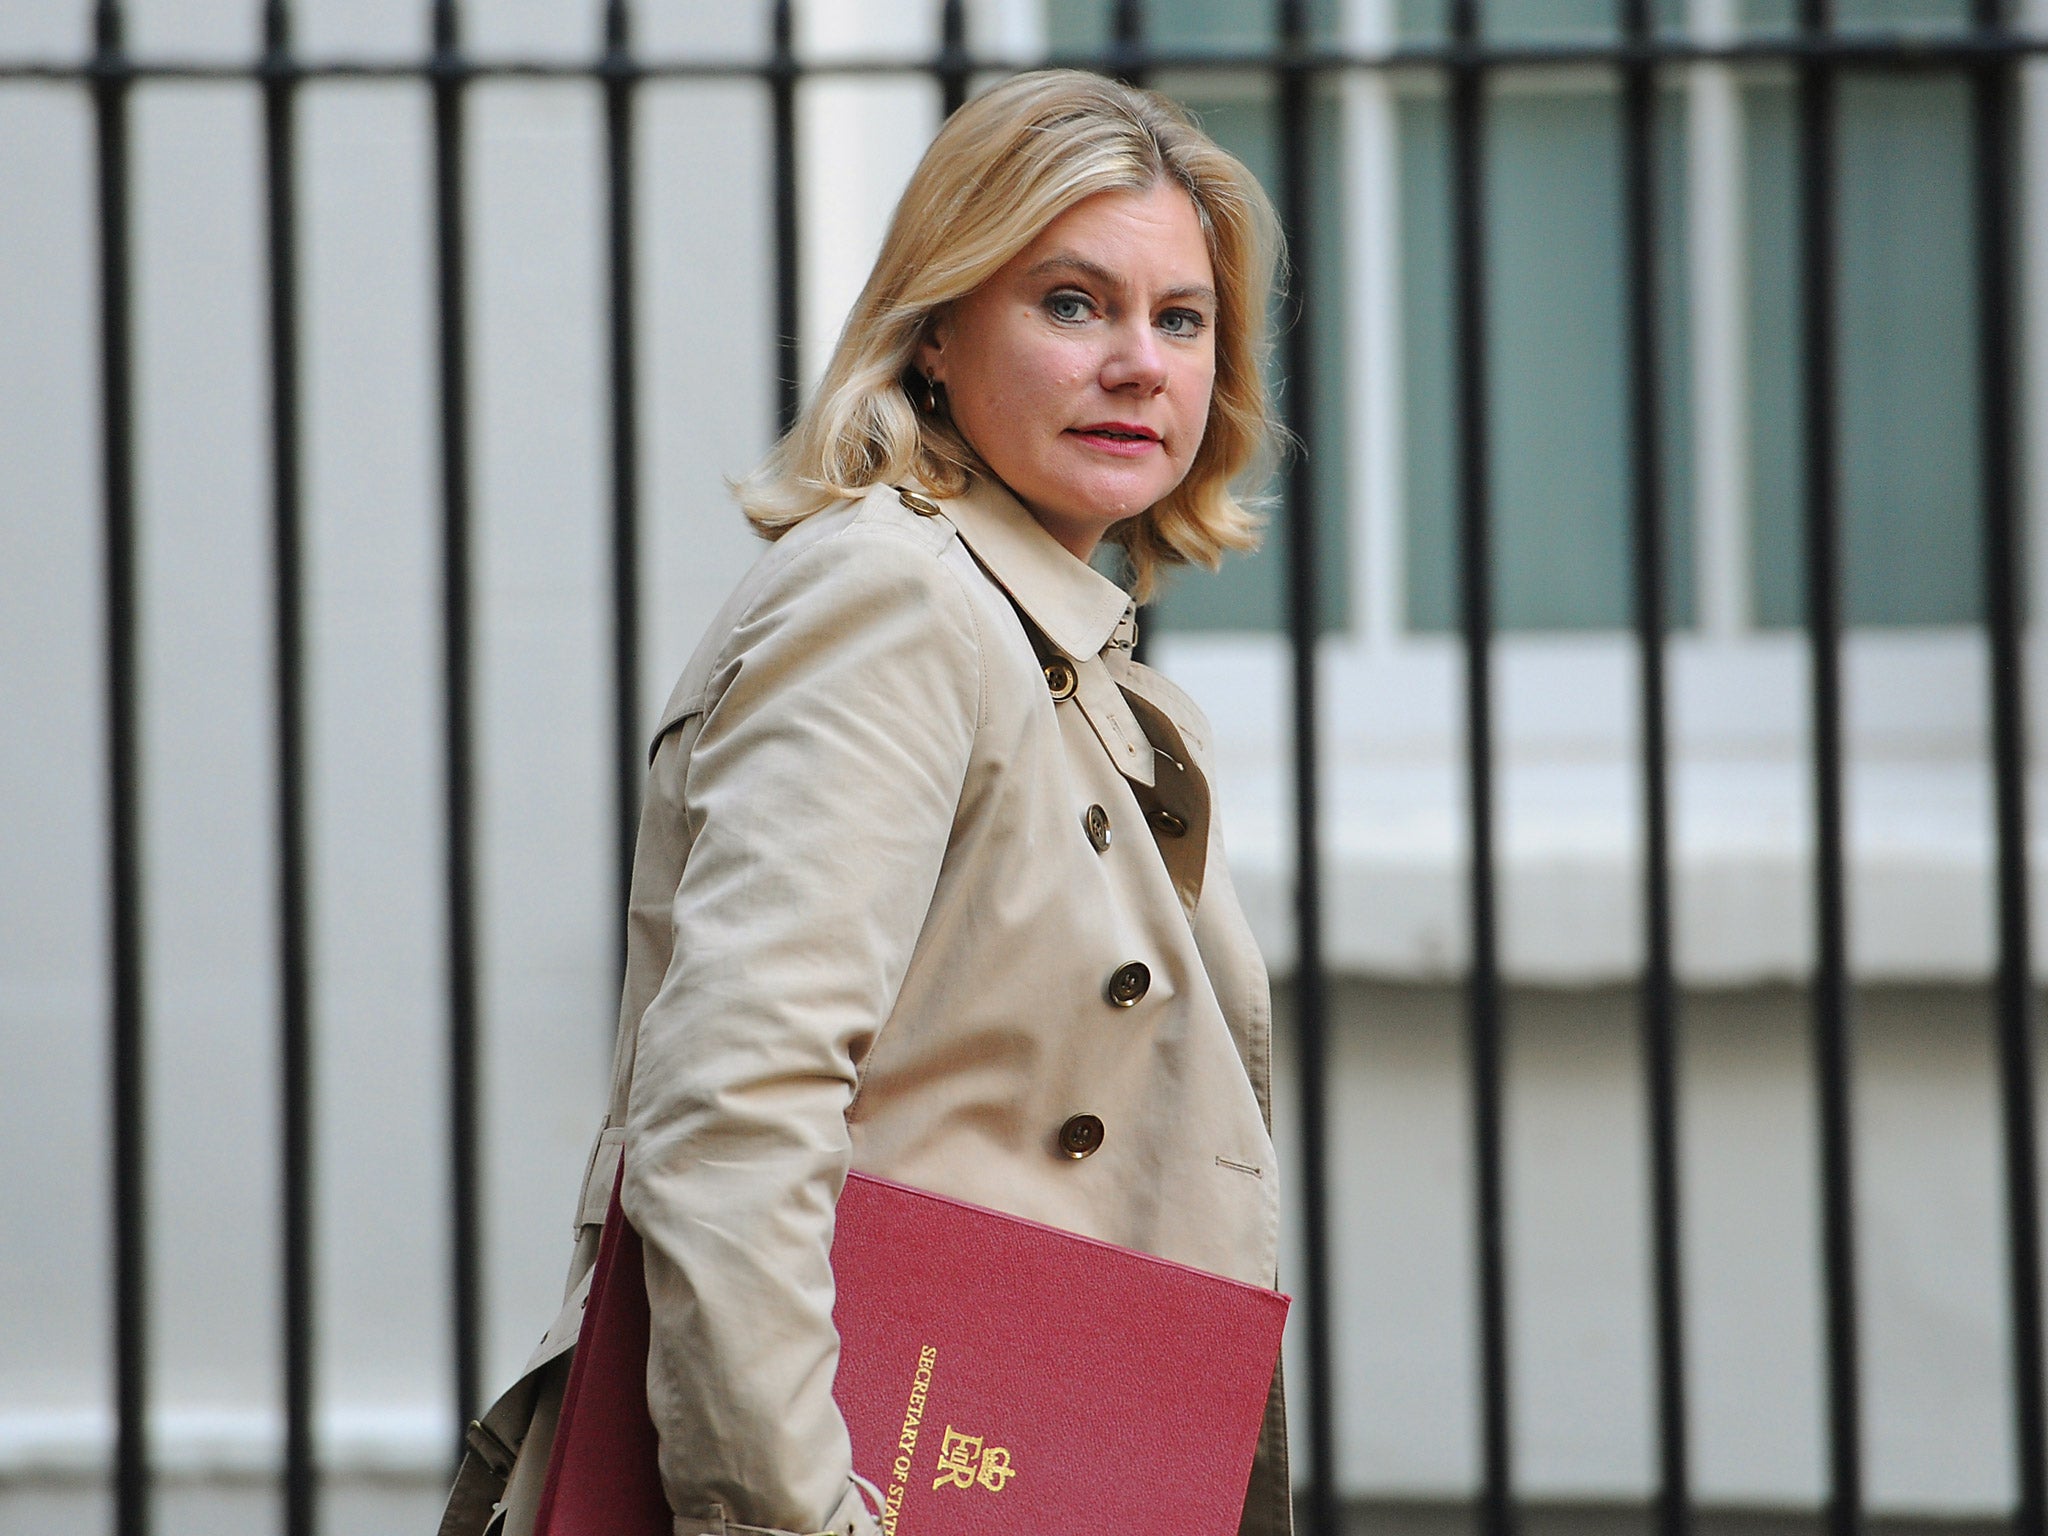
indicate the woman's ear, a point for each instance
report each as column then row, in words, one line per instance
column 930, row 355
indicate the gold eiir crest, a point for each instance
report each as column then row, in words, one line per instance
column 965, row 1462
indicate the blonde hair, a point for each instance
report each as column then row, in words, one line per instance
column 1002, row 168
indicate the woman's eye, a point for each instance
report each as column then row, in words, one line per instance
column 1067, row 306
column 1182, row 322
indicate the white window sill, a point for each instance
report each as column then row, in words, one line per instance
column 1568, row 817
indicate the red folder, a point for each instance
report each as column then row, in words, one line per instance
column 996, row 1376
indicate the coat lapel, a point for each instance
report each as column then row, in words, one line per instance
column 1077, row 609
column 1144, row 723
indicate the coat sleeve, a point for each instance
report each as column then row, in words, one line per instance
column 820, row 794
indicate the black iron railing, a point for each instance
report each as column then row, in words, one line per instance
column 1988, row 53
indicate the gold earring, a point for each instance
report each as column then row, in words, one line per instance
column 931, row 395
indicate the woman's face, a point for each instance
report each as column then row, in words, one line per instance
column 1081, row 371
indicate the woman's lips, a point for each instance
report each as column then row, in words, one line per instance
column 1117, row 438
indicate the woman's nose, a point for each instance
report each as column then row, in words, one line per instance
column 1135, row 361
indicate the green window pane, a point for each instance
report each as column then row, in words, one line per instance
column 1557, row 400
column 1073, row 26
column 1862, row 15
column 1770, row 183
column 1224, row 25
column 1906, row 317
column 1531, row 21
column 1428, row 474
column 1422, row 21
column 1216, row 24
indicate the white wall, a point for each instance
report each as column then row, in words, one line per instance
column 1930, row 1244
column 542, row 697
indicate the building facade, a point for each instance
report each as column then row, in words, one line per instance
column 1921, row 851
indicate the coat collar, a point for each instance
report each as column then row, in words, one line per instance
column 1079, row 609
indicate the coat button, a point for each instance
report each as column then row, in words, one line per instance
column 1060, row 678
column 923, row 506
column 1080, row 1136
column 1128, row 983
column 1096, row 820
column 1167, row 824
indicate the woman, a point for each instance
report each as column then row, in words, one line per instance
column 928, row 881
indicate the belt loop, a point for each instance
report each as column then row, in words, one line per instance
column 490, row 1448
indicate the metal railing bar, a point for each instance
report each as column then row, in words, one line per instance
column 1467, row 127
column 452, row 295
column 954, row 63
column 1311, row 1024
column 782, row 77
column 2004, row 555
column 295, row 1054
column 628, row 760
column 1128, row 58
column 1832, row 1046
column 1125, row 61
column 128, row 1098
column 1872, row 50
column 1659, row 999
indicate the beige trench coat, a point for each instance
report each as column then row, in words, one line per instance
column 928, row 870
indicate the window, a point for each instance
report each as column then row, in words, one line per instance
column 1557, row 396
column 1907, row 355
column 1907, row 407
